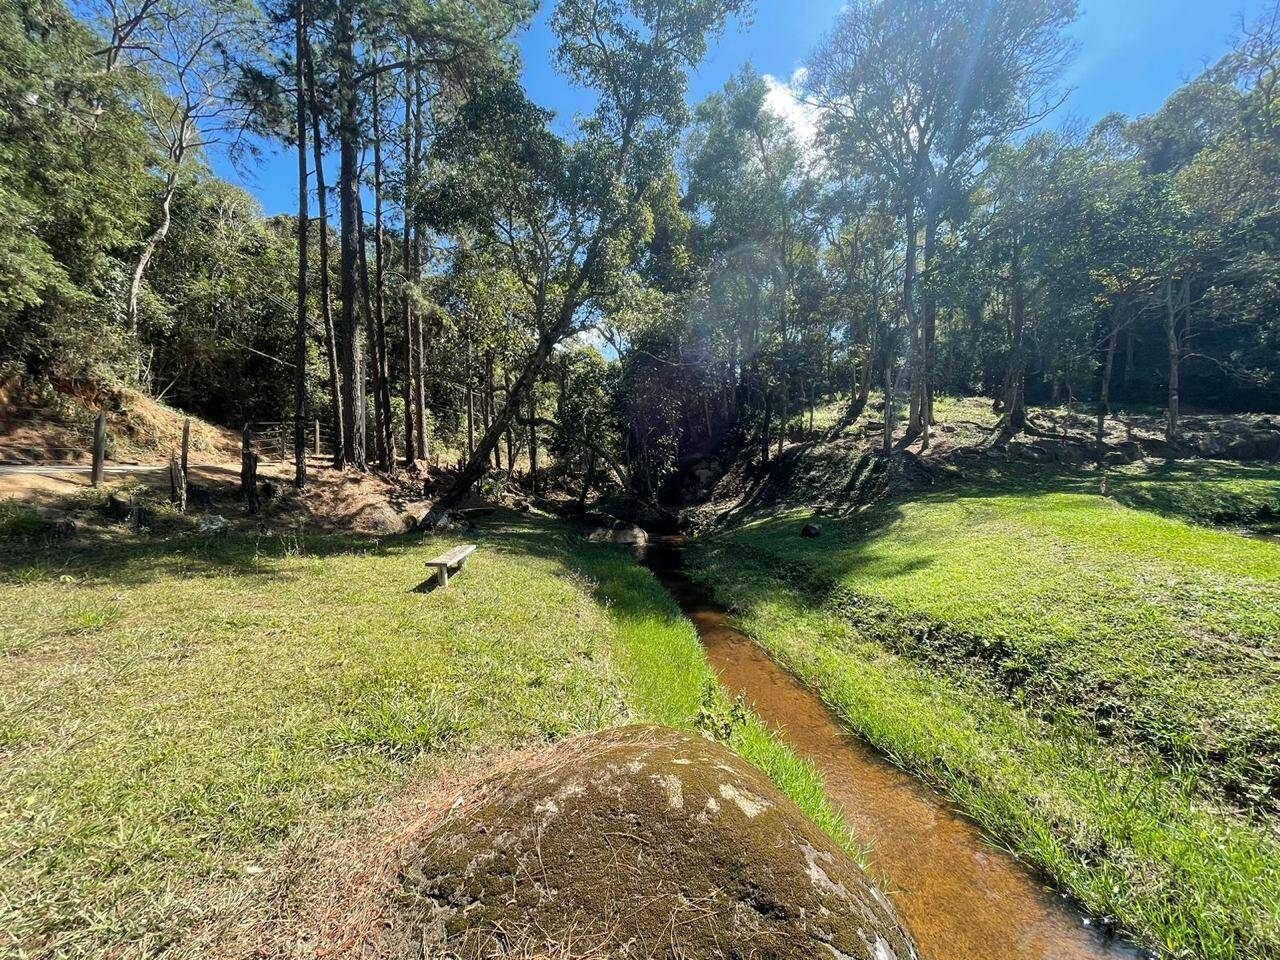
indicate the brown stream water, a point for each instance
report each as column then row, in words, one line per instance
column 961, row 898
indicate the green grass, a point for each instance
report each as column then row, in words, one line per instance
column 19, row 520
column 176, row 714
column 1098, row 686
column 1203, row 491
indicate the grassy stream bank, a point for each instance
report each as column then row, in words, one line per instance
column 1098, row 686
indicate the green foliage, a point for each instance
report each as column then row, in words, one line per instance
column 73, row 184
column 19, row 520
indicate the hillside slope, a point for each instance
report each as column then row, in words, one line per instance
column 55, row 424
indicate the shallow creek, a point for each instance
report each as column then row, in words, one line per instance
column 961, row 898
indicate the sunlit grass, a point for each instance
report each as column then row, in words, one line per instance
column 174, row 714
column 1098, row 686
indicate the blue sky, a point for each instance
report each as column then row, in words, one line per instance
column 1132, row 54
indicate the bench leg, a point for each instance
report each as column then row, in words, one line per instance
column 443, row 577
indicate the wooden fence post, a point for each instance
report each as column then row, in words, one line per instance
column 317, row 434
column 253, row 482
column 99, row 448
column 283, row 455
column 248, row 470
column 246, row 450
column 177, row 485
column 186, row 448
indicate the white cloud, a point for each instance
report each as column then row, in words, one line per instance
column 783, row 100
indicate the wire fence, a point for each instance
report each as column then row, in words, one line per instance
column 29, row 437
column 277, row 440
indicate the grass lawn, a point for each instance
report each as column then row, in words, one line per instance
column 1099, row 686
column 174, row 714
column 1204, row 491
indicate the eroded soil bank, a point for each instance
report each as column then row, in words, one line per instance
column 960, row 898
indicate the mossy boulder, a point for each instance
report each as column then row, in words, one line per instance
column 637, row 842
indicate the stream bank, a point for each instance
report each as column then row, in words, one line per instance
column 961, row 898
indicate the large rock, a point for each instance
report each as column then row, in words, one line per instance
column 619, row 532
column 635, row 842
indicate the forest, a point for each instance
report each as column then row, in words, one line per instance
column 837, row 515
column 633, row 291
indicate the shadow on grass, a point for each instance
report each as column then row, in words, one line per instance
column 135, row 560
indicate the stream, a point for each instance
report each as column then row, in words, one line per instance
column 961, row 898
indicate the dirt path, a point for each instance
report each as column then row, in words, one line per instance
column 47, row 484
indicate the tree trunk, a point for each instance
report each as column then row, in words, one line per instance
column 1174, row 341
column 152, row 243
column 768, row 416
column 300, row 335
column 782, row 419
column 533, row 439
column 586, row 481
column 487, row 405
column 419, row 321
column 1128, row 362
column 406, row 306
column 370, row 332
column 511, row 440
column 547, row 340
column 353, row 372
column 913, row 327
column 476, row 463
column 886, row 446
column 929, row 330
column 420, row 370
column 471, row 399
column 326, row 311
column 387, row 438
column 1015, row 410
column 1104, row 393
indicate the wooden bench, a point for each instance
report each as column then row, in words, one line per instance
column 454, row 559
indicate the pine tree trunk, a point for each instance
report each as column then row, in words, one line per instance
column 407, row 350
column 419, row 321
column 387, row 438
column 370, row 333
column 326, row 311
column 352, row 354
column 300, row 334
